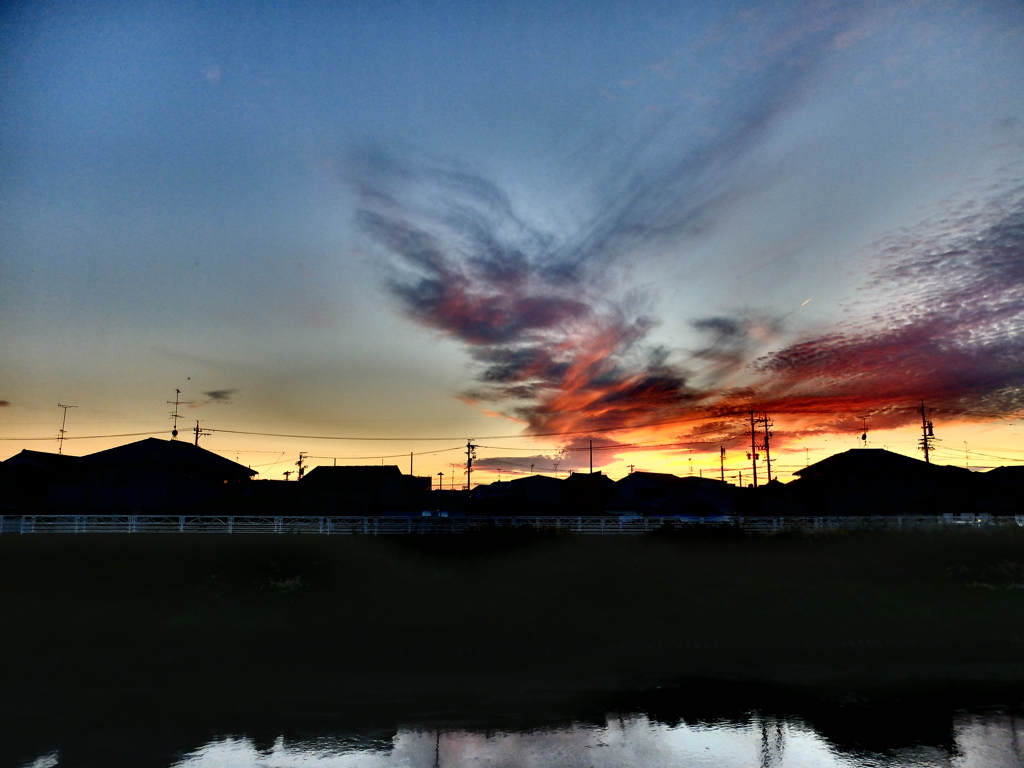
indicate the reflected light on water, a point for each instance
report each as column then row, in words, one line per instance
column 992, row 741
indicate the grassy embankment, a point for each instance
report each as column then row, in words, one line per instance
column 505, row 615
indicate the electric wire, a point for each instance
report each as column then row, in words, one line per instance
column 89, row 437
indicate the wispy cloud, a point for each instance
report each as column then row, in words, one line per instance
column 220, row 395
column 950, row 330
column 557, row 342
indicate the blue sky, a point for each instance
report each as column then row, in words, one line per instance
column 460, row 219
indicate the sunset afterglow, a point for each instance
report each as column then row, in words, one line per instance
column 600, row 237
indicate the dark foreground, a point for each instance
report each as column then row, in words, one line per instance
column 495, row 628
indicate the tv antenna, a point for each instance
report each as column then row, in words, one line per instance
column 176, row 402
column 864, row 435
column 60, row 438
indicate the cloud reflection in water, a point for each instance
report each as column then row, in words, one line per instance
column 995, row 740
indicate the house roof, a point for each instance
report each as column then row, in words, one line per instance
column 540, row 480
column 868, row 460
column 336, row 476
column 39, row 460
column 1006, row 474
column 650, row 477
column 168, row 453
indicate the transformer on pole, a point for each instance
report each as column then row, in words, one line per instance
column 470, row 455
column 927, row 434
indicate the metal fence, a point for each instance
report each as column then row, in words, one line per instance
column 398, row 524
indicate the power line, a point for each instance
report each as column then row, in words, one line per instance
column 387, row 456
column 88, row 437
column 490, row 437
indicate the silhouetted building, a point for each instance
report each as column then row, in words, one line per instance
column 38, row 481
column 531, row 495
column 659, row 493
column 588, row 494
column 873, row 481
column 161, row 474
column 149, row 475
column 1001, row 491
column 365, row 490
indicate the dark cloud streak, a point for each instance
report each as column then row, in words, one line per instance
column 557, row 346
column 952, row 333
column 539, row 316
column 220, row 395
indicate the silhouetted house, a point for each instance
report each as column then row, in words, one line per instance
column 36, row 481
column 531, row 495
column 588, row 494
column 658, row 493
column 167, row 475
column 1001, row 491
column 873, row 481
column 643, row 492
column 366, row 490
column 773, row 499
column 268, row 497
column 448, row 500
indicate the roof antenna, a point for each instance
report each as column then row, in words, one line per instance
column 60, row 438
column 864, row 436
column 176, row 402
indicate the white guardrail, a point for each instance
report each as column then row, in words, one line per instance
column 413, row 524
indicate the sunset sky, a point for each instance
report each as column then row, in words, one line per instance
column 362, row 230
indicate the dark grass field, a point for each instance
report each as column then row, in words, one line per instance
column 834, row 609
column 153, row 635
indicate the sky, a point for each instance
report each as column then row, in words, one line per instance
column 372, row 232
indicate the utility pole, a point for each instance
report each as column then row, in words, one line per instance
column 470, row 455
column 753, row 446
column 591, row 457
column 765, row 443
column 200, row 433
column 299, row 464
column 176, row 402
column 410, row 463
column 927, row 434
column 63, row 423
column 721, row 461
